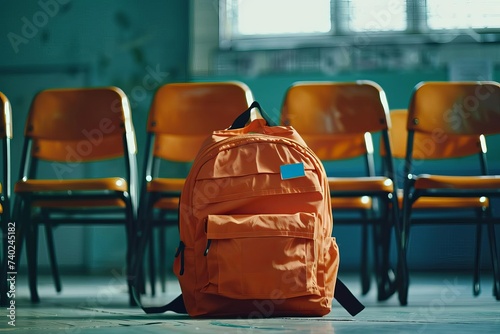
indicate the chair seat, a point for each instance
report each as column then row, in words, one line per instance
column 166, row 184
column 171, row 203
column 427, row 181
column 446, row 202
column 351, row 203
column 81, row 204
column 111, row 184
column 450, row 202
column 355, row 184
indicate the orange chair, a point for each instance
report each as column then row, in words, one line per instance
column 337, row 121
column 452, row 147
column 66, row 130
column 181, row 117
column 5, row 221
column 443, row 111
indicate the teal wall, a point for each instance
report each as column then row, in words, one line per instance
column 135, row 45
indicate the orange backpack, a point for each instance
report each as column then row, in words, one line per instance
column 255, row 225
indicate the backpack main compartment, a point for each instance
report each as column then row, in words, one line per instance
column 256, row 238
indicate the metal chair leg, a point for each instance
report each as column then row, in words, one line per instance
column 385, row 288
column 494, row 261
column 476, row 284
column 162, row 268
column 365, row 263
column 152, row 264
column 387, row 285
column 403, row 271
column 19, row 238
column 32, row 255
column 52, row 257
column 4, row 261
column 131, row 231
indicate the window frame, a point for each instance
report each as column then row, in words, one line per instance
column 416, row 32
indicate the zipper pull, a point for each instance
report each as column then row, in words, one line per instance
column 180, row 250
column 209, row 242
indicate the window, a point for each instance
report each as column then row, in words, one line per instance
column 388, row 15
column 257, row 17
column 246, row 24
column 465, row 14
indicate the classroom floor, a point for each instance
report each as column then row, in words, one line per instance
column 438, row 303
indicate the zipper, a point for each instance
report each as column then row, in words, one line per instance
column 209, row 242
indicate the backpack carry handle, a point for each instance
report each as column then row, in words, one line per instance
column 249, row 115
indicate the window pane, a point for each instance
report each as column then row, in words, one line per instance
column 462, row 14
column 380, row 15
column 255, row 17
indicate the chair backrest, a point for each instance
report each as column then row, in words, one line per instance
column 183, row 115
column 80, row 124
column 461, row 108
column 445, row 110
column 333, row 117
column 429, row 145
column 337, row 119
column 5, row 136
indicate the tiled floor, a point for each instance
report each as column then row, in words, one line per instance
column 437, row 304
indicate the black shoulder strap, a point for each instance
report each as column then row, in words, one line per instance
column 244, row 117
column 345, row 298
column 176, row 305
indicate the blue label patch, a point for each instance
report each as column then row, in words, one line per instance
column 292, row 171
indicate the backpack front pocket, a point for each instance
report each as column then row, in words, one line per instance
column 262, row 256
